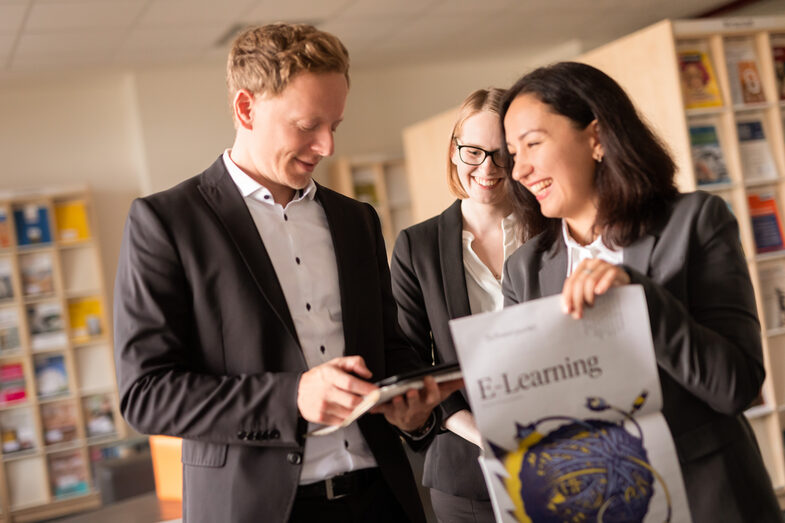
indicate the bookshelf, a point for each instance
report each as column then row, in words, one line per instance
column 380, row 181
column 58, row 398
column 724, row 127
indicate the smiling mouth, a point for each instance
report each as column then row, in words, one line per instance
column 539, row 187
column 487, row 182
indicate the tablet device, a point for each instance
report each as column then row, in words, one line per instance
column 394, row 386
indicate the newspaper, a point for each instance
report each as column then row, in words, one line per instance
column 569, row 412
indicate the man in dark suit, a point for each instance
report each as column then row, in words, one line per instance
column 250, row 301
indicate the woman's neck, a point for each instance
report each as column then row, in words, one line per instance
column 479, row 218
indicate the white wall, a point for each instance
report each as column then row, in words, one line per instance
column 69, row 131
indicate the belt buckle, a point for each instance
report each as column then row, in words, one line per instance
column 328, row 484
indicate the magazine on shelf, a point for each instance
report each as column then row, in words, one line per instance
column 85, row 316
column 778, row 52
column 51, row 377
column 561, row 418
column 707, row 156
column 9, row 331
column 757, row 162
column 68, row 474
column 59, row 422
column 46, row 326
column 37, row 274
column 32, row 224
column 12, row 383
column 766, row 222
column 5, row 229
column 17, row 429
column 743, row 69
column 98, row 415
column 698, row 80
column 71, row 220
column 6, row 279
column 772, row 285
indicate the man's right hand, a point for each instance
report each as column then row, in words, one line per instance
column 328, row 393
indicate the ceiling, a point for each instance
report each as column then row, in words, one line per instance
column 51, row 36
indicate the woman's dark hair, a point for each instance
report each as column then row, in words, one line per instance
column 635, row 179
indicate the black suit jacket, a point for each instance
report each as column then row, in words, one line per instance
column 206, row 349
column 707, row 345
column 429, row 285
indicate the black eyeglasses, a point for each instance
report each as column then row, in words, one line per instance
column 472, row 155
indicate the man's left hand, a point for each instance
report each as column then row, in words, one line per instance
column 411, row 411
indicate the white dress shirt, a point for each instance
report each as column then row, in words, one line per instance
column 484, row 289
column 298, row 241
column 576, row 252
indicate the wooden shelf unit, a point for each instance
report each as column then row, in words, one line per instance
column 58, row 396
column 380, row 181
column 646, row 64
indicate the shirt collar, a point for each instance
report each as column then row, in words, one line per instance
column 250, row 188
column 596, row 245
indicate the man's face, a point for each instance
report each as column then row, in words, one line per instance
column 294, row 130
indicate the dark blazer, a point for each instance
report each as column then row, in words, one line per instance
column 206, row 349
column 429, row 285
column 706, row 342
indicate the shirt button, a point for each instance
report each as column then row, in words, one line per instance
column 297, row 260
column 295, row 458
column 345, row 444
column 266, row 196
column 285, row 218
column 322, row 349
column 307, row 306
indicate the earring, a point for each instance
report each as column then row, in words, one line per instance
column 597, row 157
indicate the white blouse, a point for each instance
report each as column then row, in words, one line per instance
column 577, row 253
column 484, row 289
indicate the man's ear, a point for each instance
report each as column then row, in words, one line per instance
column 242, row 106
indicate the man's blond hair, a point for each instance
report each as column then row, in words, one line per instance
column 265, row 59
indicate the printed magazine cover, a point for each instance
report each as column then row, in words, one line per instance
column 568, row 435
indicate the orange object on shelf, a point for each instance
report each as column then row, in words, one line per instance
column 167, row 467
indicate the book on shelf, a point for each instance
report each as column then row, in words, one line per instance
column 51, row 377
column 46, row 324
column 707, row 156
column 58, row 421
column 9, row 331
column 12, row 383
column 366, row 192
column 98, row 415
column 745, row 83
column 32, row 224
column 5, row 229
column 37, row 274
column 17, row 429
column 698, row 80
column 86, row 318
column 757, row 162
column 71, row 220
column 68, row 474
column 6, row 279
column 778, row 52
column 766, row 223
column 772, row 285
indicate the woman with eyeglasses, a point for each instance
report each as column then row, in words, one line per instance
column 451, row 266
column 595, row 191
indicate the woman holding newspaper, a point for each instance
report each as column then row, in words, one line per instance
column 594, row 190
column 450, row 266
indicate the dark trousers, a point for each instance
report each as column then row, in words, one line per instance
column 370, row 502
column 455, row 509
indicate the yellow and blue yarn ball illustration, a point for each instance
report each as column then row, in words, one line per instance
column 585, row 470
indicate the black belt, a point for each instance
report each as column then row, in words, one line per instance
column 354, row 482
